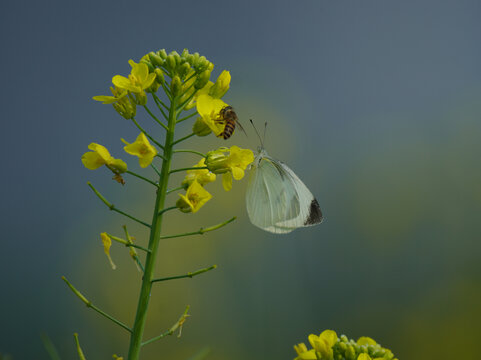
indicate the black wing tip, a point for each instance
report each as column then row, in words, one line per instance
column 315, row 214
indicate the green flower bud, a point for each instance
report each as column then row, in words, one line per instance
column 170, row 63
column 159, row 76
column 126, row 107
column 184, row 69
column 202, row 62
column 176, row 86
column 162, row 53
column 200, row 128
column 217, row 160
column 184, row 54
column 202, row 79
column 155, row 59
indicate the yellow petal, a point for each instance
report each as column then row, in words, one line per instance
column 238, row 173
column 364, row 357
column 92, row 160
column 148, row 81
column 101, row 150
column 329, row 336
column 364, row 340
column 119, row 165
column 227, row 181
column 124, row 83
column 105, row 99
column 107, row 242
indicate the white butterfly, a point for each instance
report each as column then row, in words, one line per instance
column 277, row 200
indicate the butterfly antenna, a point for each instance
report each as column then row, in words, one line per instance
column 264, row 135
column 257, row 132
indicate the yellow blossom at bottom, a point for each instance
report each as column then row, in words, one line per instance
column 203, row 176
column 100, row 156
column 195, row 197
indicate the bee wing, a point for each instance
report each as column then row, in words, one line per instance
column 277, row 200
column 240, row 126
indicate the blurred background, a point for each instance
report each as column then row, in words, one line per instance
column 376, row 105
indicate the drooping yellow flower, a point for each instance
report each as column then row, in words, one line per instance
column 202, row 176
column 230, row 163
column 142, row 148
column 121, row 102
column 107, row 242
column 100, row 156
column 139, row 79
column 323, row 343
column 195, row 197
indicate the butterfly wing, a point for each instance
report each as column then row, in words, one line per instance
column 277, row 200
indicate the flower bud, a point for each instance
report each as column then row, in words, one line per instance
column 202, row 79
column 170, row 63
column 183, row 69
column 217, row 160
column 155, row 59
column 162, row 53
column 159, row 76
column 221, row 85
column 184, row 54
column 176, row 86
column 200, row 128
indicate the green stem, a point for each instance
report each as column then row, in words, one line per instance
column 155, row 118
column 159, row 104
column 201, row 231
column 189, row 168
column 174, row 189
column 79, row 349
column 126, row 243
column 188, row 117
column 188, row 275
column 190, row 151
column 147, row 134
column 132, row 251
column 93, row 307
column 141, row 177
column 184, row 138
column 144, row 297
column 155, row 169
column 112, row 207
column 167, row 209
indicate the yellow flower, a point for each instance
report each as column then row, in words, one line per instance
column 139, row 79
column 230, row 163
column 141, row 147
column 323, row 343
column 195, row 197
column 121, row 102
column 221, row 85
column 209, row 105
column 203, row 176
column 107, row 241
column 364, row 340
column 303, row 353
column 209, row 109
column 100, row 156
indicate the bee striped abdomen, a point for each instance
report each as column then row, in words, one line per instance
column 228, row 129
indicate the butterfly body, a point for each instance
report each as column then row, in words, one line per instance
column 277, row 200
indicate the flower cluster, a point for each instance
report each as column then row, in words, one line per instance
column 328, row 346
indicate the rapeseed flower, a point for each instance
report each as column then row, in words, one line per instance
column 137, row 82
column 121, row 102
column 141, row 148
column 231, row 163
column 100, row 156
column 195, row 197
column 202, row 176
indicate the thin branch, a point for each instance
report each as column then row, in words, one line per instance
column 188, row 275
column 166, row 209
column 177, row 325
column 174, row 189
column 93, row 307
column 160, row 156
column 187, row 117
column 167, row 91
column 141, row 177
column 201, row 231
column 147, row 134
column 132, row 251
column 188, row 168
column 182, row 139
column 155, row 169
column 186, row 102
column 190, row 151
column 155, row 118
column 126, row 243
column 113, row 208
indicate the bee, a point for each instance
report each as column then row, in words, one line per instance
column 228, row 116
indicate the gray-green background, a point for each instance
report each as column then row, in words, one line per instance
column 375, row 104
